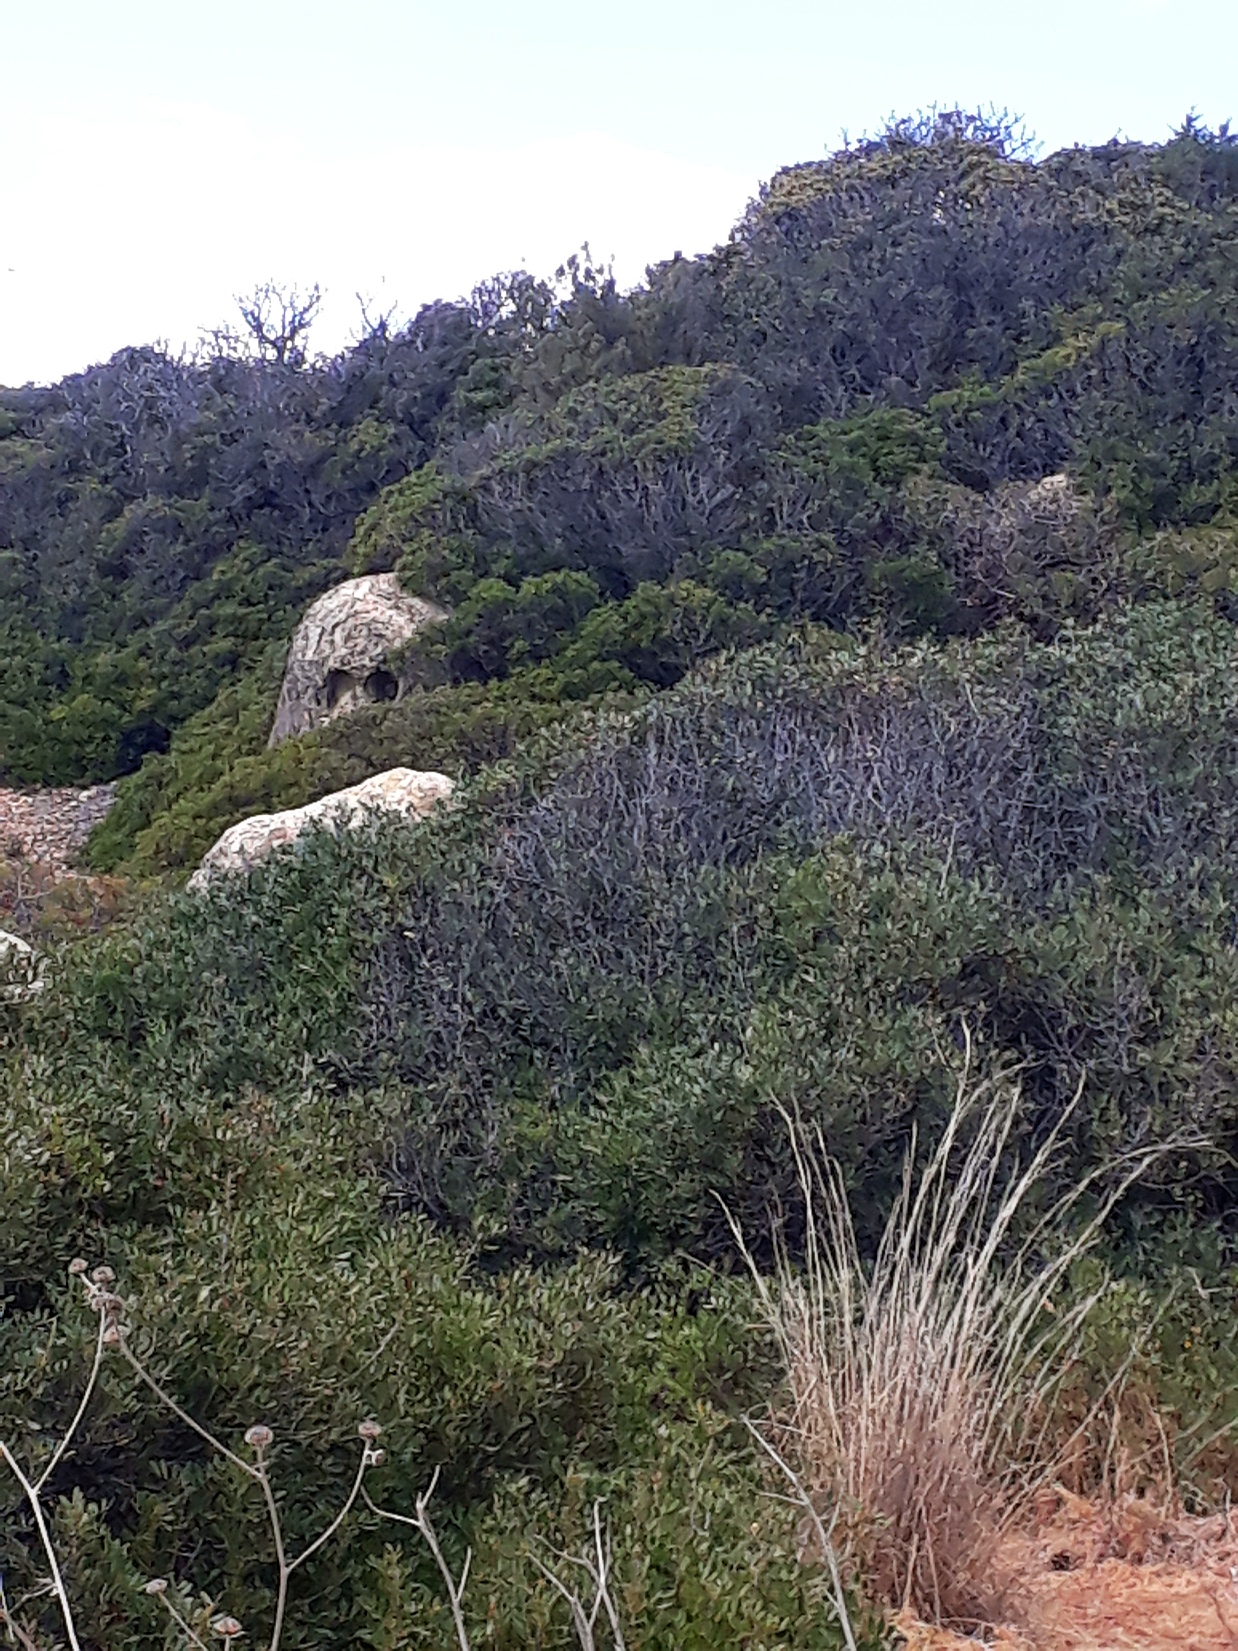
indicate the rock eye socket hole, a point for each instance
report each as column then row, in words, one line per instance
column 378, row 687
column 381, row 686
column 337, row 685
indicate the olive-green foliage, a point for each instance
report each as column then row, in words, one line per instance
column 1166, row 1323
column 219, row 770
column 437, row 1123
column 785, row 882
column 265, row 1280
column 163, row 521
column 759, row 426
column 484, row 1082
column 853, row 517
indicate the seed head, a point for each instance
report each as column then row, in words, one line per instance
column 227, row 1627
column 370, row 1431
column 77, row 1266
column 259, row 1436
column 157, row 1585
column 103, row 1275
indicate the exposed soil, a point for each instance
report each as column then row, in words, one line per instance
column 41, row 832
column 49, row 827
column 1123, row 1578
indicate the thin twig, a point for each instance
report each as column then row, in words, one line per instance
column 166, row 1398
column 339, row 1518
column 16, row 1631
column 81, row 1409
column 421, row 1523
column 825, row 1535
column 183, row 1625
column 36, row 1507
column 111, row 1333
column 604, row 1593
column 281, row 1600
column 599, row 1575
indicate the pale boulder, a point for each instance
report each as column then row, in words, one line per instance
column 341, row 652
column 403, row 791
column 21, row 969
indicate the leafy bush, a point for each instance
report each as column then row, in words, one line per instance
column 933, row 306
column 263, row 1282
column 787, row 880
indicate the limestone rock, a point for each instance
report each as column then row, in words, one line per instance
column 405, row 791
column 21, row 969
column 339, row 658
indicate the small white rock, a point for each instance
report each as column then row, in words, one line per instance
column 21, row 969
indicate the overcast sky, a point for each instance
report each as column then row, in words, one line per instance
column 160, row 156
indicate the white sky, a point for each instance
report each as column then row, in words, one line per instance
column 160, row 156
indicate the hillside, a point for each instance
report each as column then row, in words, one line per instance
column 842, row 683
column 831, row 418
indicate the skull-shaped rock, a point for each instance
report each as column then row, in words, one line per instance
column 340, row 656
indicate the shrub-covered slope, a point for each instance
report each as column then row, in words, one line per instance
column 437, row 1124
column 784, row 882
column 836, row 416
column 842, row 672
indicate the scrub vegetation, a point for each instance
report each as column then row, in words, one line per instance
column 823, row 985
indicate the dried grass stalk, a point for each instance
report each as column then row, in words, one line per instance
column 922, row 1386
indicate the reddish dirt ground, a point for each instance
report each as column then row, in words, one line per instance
column 1124, row 1578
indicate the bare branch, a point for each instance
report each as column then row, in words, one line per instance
column 597, row 1568
column 15, row 1630
column 825, row 1534
column 36, row 1507
column 278, row 320
column 166, row 1399
column 422, row 1523
column 87, row 1393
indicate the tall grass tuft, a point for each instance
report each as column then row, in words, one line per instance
column 922, row 1384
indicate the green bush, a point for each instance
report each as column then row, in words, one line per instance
column 763, row 422
column 264, row 1282
column 841, row 668
column 785, row 882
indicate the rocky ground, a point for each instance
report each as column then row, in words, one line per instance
column 49, row 827
column 41, row 833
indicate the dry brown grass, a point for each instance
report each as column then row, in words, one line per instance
column 922, row 1386
column 1126, row 1573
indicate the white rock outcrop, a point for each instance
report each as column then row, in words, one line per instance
column 21, row 969
column 406, row 791
column 341, row 650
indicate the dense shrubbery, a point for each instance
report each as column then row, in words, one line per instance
column 598, row 973
column 483, row 1083
column 266, row 1282
column 841, row 654
column 835, row 416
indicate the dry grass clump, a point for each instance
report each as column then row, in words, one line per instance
column 922, row 1386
